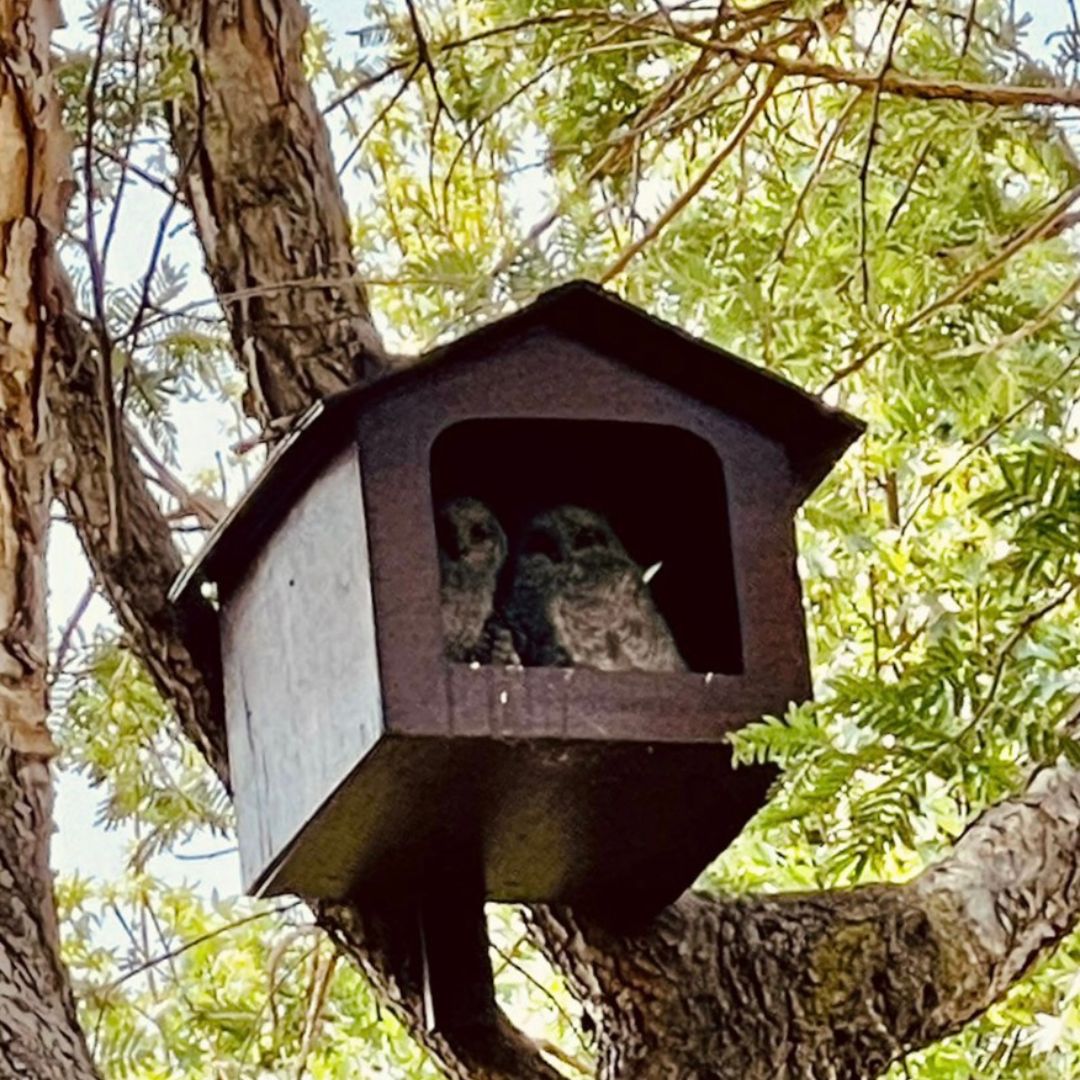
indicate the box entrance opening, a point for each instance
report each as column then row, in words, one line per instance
column 661, row 489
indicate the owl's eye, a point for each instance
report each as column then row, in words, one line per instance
column 540, row 542
column 479, row 533
column 589, row 538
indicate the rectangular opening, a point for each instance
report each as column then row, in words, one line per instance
column 652, row 495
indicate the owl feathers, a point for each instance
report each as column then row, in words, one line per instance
column 576, row 598
column 472, row 550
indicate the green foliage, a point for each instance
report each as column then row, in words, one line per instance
column 939, row 561
column 192, row 988
column 118, row 733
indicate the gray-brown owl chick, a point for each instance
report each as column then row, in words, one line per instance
column 472, row 550
column 577, row 599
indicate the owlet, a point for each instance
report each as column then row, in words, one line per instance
column 577, row 599
column 472, row 550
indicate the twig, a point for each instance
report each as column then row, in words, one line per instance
column 700, row 181
column 146, row 177
column 136, row 94
column 379, row 117
column 546, row 1046
column 207, row 510
column 322, row 975
column 1035, row 231
column 177, row 979
column 977, row 278
column 97, row 280
column 201, row 939
column 1021, row 631
column 269, row 435
column 200, row 856
column 424, row 59
column 823, row 158
column 871, row 136
column 549, row 219
column 909, row 186
column 1024, row 331
column 969, row 25
column 366, row 83
column 423, row 54
column 269, row 1004
column 510, row 961
column 523, row 88
column 69, row 630
column 97, row 277
column 138, row 320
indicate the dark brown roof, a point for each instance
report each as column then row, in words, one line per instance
column 813, row 434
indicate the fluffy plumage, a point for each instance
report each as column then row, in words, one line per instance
column 577, row 599
column 472, row 550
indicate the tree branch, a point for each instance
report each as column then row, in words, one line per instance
column 267, row 204
column 379, row 943
column 1048, row 224
column 133, row 555
column 871, row 139
column 687, row 196
column 838, row 983
column 893, row 82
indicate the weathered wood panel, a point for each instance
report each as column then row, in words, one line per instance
column 622, row 827
column 301, row 678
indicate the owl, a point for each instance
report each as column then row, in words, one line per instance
column 577, row 599
column 472, row 550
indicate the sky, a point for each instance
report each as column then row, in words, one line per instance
column 80, row 844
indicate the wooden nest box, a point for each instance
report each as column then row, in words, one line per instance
column 365, row 762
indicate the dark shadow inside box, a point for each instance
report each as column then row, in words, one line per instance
column 661, row 488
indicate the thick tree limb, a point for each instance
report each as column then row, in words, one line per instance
column 257, row 174
column 379, row 942
column 39, row 1030
column 841, row 983
column 132, row 551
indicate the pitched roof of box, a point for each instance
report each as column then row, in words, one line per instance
column 813, row 434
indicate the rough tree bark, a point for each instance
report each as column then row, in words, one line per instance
column 259, row 179
column 833, row 984
column 828, row 985
column 39, row 1031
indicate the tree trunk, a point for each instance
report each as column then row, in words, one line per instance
column 39, row 1032
column 259, row 180
column 834, row 984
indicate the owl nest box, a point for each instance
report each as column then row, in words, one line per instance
column 363, row 760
